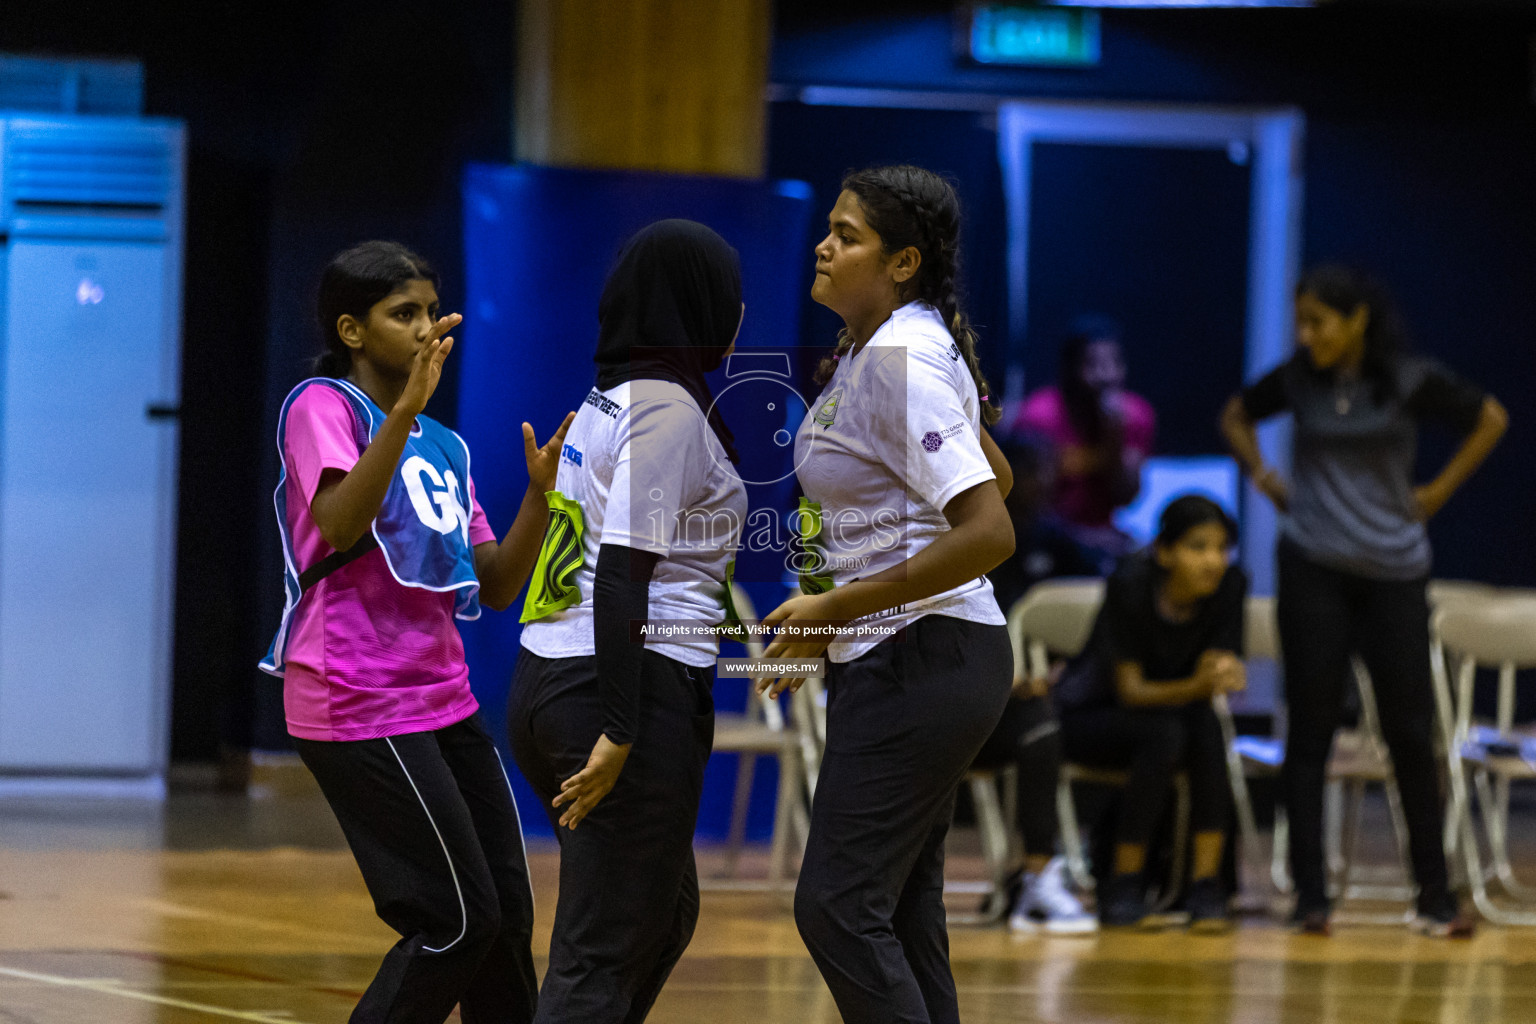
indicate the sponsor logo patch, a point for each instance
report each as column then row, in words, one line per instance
column 933, row 440
column 827, row 411
column 606, row 406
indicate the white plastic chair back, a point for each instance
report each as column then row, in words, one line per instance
column 1261, row 634
column 1497, row 630
column 1444, row 593
column 1056, row 616
column 1491, row 630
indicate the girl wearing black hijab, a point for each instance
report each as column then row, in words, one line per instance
column 611, row 713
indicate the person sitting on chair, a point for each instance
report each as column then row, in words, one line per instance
column 1138, row 699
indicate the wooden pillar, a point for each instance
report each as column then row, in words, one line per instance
column 658, row 85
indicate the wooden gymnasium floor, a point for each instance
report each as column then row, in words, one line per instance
column 210, row 908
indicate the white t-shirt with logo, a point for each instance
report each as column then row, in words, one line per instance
column 893, row 437
column 649, row 474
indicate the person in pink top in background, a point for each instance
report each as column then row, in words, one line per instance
column 385, row 545
column 1099, row 432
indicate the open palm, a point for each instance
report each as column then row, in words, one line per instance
column 544, row 462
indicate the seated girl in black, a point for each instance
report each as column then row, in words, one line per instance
column 1166, row 640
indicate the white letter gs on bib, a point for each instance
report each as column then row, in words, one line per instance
column 450, row 513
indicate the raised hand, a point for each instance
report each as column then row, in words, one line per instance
column 544, row 462
column 427, row 367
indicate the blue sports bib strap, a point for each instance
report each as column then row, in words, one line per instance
column 335, row 560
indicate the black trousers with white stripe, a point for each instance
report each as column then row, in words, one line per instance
column 431, row 821
column 629, row 889
column 904, row 722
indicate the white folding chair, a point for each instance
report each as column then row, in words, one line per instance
column 998, row 847
column 1360, row 759
column 761, row 731
column 1260, row 643
column 1443, row 595
column 1058, row 615
column 1054, row 617
column 1488, row 630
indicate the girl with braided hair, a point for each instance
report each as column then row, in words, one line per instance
column 906, row 490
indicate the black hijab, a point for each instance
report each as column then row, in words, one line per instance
column 669, row 311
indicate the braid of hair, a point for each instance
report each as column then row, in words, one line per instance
column 948, row 305
column 828, row 364
column 936, row 213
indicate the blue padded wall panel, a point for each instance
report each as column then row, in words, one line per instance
column 538, row 244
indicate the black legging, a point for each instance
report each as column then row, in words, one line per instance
column 1029, row 738
column 1152, row 744
column 1324, row 616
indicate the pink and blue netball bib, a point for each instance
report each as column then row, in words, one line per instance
column 422, row 526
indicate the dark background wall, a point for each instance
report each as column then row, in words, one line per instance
column 1419, row 161
column 313, row 125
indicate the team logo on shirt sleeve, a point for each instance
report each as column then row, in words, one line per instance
column 933, row 440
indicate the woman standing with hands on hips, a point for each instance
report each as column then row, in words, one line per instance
column 612, row 726
column 1354, row 557
column 907, row 490
column 384, row 546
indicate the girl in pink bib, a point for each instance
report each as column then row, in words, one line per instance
column 385, row 545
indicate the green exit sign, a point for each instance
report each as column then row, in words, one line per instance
column 1033, row 36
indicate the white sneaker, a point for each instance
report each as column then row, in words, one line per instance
column 1047, row 905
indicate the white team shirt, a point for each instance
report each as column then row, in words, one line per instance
column 893, row 437
column 649, row 473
